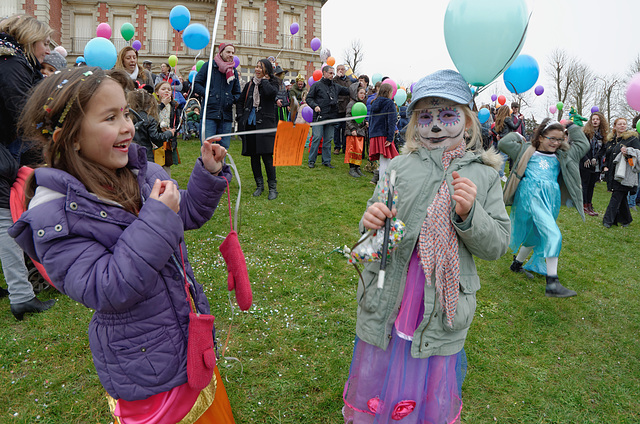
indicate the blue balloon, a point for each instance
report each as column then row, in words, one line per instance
column 484, row 37
column 522, row 74
column 196, row 36
column 179, row 17
column 483, row 115
column 80, row 59
column 192, row 75
column 100, row 52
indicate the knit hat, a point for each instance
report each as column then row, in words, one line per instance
column 446, row 84
column 224, row 46
column 56, row 60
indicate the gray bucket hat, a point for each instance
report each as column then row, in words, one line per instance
column 56, row 60
column 446, row 84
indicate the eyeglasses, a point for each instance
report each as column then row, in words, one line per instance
column 556, row 140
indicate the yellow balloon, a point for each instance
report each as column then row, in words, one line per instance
column 173, row 60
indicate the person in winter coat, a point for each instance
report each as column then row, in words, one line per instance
column 551, row 172
column 282, row 98
column 24, row 43
column 382, row 127
column 596, row 131
column 256, row 109
column 144, row 108
column 356, row 136
column 502, row 126
column 339, row 135
column 128, row 60
column 108, row 226
column 618, row 211
column 169, row 119
column 166, row 74
column 299, row 90
column 411, row 330
column 323, row 99
column 224, row 91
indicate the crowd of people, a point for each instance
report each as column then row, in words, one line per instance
column 102, row 144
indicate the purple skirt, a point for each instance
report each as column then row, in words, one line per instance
column 393, row 387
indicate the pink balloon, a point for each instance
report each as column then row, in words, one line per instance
column 633, row 92
column 103, row 30
column 193, row 68
column 553, row 109
column 393, row 84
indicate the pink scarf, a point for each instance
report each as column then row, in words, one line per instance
column 438, row 244
column 225, row 67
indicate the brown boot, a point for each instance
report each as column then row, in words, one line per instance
column 593, row 212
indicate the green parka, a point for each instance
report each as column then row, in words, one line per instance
column 569, row 155
column 485, row 234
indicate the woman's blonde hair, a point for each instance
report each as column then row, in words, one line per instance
column 473, row 136
column 27, row 31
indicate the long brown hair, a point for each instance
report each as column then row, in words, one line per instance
column 502, row 114
column 603, row 128
column 141, row 101
column 53, row 117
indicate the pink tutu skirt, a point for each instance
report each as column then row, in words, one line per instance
column 393, row 387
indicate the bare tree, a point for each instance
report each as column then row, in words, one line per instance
column 561, row 68
column 354, row 55
column 608, row 94
column 581, row 91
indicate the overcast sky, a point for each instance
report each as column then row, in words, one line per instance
column 404, row 39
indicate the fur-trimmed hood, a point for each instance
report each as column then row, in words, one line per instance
column 625, row 135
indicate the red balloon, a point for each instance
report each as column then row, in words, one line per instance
column 502, row 100
column 317, row 75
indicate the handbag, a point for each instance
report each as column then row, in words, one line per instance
column 516, row 176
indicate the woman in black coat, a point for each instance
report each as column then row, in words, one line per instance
column 257, row 111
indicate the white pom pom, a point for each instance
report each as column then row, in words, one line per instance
column 61, row 50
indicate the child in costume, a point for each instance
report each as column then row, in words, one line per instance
column 410, row 333
column 108, row 226
column 552, row 163
column 356, row 136
column 382, row 127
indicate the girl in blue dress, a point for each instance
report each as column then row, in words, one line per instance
column 538, row 198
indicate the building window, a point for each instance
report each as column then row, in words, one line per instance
column 117, row 39
column 8, row 8
column 84, row 30
column 159, row 43
column 290, row 42
column 249, row 34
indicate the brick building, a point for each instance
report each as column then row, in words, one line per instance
column 258, row 29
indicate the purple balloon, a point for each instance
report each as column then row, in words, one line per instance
column 137, row 45
column 315, row 44
column 310, row 81
column 539, row 90
column 236, row 61
column 294, row 28
column 411, row 88
column 307, row 113
column 494, row 97
column 595, row 109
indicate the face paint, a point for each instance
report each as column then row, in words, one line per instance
column 441, row 124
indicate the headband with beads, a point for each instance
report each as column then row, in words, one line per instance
column 64, row 113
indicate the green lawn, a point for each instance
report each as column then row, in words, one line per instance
column 531, row 359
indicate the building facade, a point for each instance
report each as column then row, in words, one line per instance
column 258, row 29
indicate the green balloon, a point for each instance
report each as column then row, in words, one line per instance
column 127, row 31
column 638, row 126
column 199, row 65
column 559, row 105
column 359, row 109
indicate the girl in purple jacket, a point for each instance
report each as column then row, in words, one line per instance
column 108, row 226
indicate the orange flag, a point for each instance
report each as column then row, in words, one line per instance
column 289, row 144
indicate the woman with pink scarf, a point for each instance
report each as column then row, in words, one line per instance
column 224, row 91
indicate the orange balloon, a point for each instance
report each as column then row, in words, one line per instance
column 331, row 61
column 317, row 74
column 502, row 100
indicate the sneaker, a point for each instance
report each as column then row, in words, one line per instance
column 354, row 173
column 555, row 289
column 312, row 165
column 336, row 151
column 328, row 165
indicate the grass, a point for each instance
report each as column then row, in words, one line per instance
column 531, row 359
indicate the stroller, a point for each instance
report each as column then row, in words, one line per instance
column 192, row 128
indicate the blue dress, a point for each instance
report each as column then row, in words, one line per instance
column 536, row 206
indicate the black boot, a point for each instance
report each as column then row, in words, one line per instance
column 376, row 177
column 34, row 305
column 555, row 289
column 3, row 292
column 516, row 266
column 259, row 187
column 273, row 193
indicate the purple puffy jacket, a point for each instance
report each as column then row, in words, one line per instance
column 126, row 268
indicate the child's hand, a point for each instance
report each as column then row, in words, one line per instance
column 464, row 193
column 167, row 193
column 212, row 156
column 376, row 214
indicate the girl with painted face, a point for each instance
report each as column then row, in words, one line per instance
column 410, row 333
column 552, row 163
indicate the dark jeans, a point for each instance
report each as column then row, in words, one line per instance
column 589, row 179
column 267, row 159
column 618, row 210
column 340, row 134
